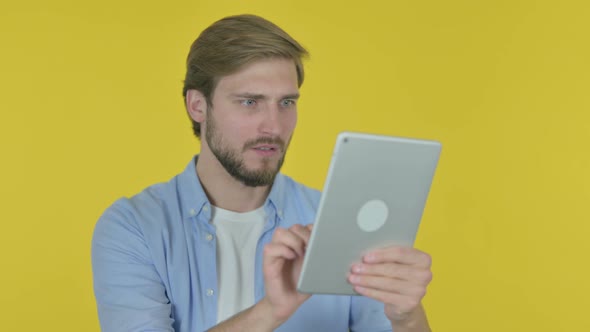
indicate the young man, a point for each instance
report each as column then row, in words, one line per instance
column 220, row 246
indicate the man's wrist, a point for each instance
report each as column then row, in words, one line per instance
column 413, row 321
column 258, row 317
column 263, row 312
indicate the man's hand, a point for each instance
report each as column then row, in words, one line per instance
column 283, row 258
column 398, row 277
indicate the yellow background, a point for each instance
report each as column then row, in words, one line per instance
column 91, row 110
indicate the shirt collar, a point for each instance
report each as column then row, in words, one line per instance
column 191, row 193
column 193, row 198
column 276, row 197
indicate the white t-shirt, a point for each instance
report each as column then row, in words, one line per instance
column 237, row 237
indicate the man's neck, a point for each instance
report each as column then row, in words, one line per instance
column 225, row 191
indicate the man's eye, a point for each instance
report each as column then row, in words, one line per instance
column 248, row 102
column 287, row 102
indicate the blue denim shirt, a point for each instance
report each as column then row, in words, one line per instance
column 154, row 262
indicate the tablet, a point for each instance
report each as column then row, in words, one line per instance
column 373, row 197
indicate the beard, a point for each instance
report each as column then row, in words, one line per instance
column 234, row 164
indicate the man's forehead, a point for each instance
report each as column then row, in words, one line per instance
column 254, row 95
column 278, row 75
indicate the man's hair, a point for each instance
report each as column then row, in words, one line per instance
column 231, row 43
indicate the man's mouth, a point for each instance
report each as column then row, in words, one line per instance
column 266, row 148
column 266, row 145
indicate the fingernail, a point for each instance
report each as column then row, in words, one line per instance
column 357, row 268
column 370, row 257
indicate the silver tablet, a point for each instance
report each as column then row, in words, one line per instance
column 374, row 196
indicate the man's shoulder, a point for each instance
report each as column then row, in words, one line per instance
column 150, row 208
column 154, row 196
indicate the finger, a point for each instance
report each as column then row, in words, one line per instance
column 274, row 251
column 303, row 232
column 274, row 259
column 398, row 254
column 309, row 226
column 388, row 285
column 290, row 239
column 394, row 270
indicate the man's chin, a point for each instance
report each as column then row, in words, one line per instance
column 262, row 173
column 259, row 179
column 264, row 165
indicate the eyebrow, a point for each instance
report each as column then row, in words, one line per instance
column 261, row 96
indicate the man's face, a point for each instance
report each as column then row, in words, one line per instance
column 252, row 120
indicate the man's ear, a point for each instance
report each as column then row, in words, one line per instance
column 196, row 105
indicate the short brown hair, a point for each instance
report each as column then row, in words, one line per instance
column 231, row 43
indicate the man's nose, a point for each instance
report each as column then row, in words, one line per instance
column 270, row 123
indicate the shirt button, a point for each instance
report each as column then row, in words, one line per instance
column 209, row 292
column 205, row 208
column 209, row 237
column 193, row 212
column 280, row 213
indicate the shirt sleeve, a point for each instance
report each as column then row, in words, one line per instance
column 129, row 292
column 368, row 315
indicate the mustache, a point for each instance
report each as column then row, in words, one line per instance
column 265, row 140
